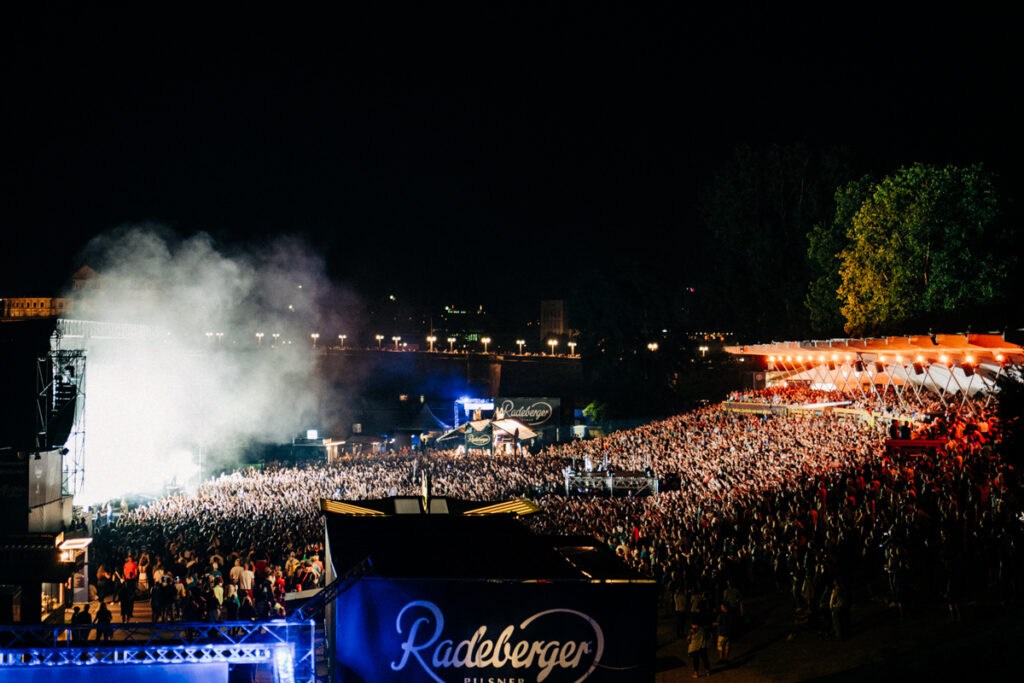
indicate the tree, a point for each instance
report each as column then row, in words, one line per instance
column 924, row 242
column 826, row 243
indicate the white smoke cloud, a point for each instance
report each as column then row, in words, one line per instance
column 198, row 383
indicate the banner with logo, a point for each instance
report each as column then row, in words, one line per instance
column 533, row 412
column 479, row 439
column 754, row 408
column 402, row 631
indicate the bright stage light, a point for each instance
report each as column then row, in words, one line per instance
column 284, row 664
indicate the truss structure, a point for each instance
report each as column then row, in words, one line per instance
column 60, row 400
column 283, row 644
column 950, row 368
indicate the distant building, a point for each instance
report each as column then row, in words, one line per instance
column 465, row 323
column 21, row 307
column 16, row 308
column 553, row 321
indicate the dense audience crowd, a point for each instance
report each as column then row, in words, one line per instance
column 813, row 503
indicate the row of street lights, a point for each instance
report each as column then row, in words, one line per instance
column 432, row 339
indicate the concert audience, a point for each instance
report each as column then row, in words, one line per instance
column 806, row 502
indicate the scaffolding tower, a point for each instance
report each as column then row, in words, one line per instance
column 60, row 409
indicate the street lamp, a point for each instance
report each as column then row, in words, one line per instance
column 220, row 336
column 379, row 337
column 520, row 342
column 314, row 337
column 396, row 340
column 276, row 336
column 451, row 341
column 703, row 351
column 342, row 338
column 653, row 346
column 552, row 343
column 572, row 348
column 259, row 339
column 430, row 340
column 486, row 341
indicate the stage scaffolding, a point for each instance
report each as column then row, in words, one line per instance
column 60, row 402
column 288, row 646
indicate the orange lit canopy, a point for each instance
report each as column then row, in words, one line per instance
column 943, row 363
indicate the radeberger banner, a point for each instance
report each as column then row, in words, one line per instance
column 532, row 412
column 479, row 439
column 485, row 632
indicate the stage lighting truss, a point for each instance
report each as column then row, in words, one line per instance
column 268, row 642
column 60, row 400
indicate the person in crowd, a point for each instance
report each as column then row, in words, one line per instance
column 103, row 622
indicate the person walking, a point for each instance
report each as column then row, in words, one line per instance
column 126, row 596
column 697, row 648
column 104, row 631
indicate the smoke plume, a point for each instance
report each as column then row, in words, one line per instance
column 203, row 351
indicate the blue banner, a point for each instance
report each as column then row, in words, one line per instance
column 495, row 632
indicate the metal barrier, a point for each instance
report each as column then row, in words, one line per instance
column 609, row 483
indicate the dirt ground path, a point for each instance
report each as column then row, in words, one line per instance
column 924, row 646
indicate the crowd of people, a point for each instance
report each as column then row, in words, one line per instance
column 810, row 503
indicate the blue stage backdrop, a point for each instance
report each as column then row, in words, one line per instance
column 495, row 631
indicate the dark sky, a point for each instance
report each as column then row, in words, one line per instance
column 485, row 153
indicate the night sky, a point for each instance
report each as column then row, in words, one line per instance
column 461, row 155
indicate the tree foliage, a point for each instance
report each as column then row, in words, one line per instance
column 924, row 241
column 826, row 242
